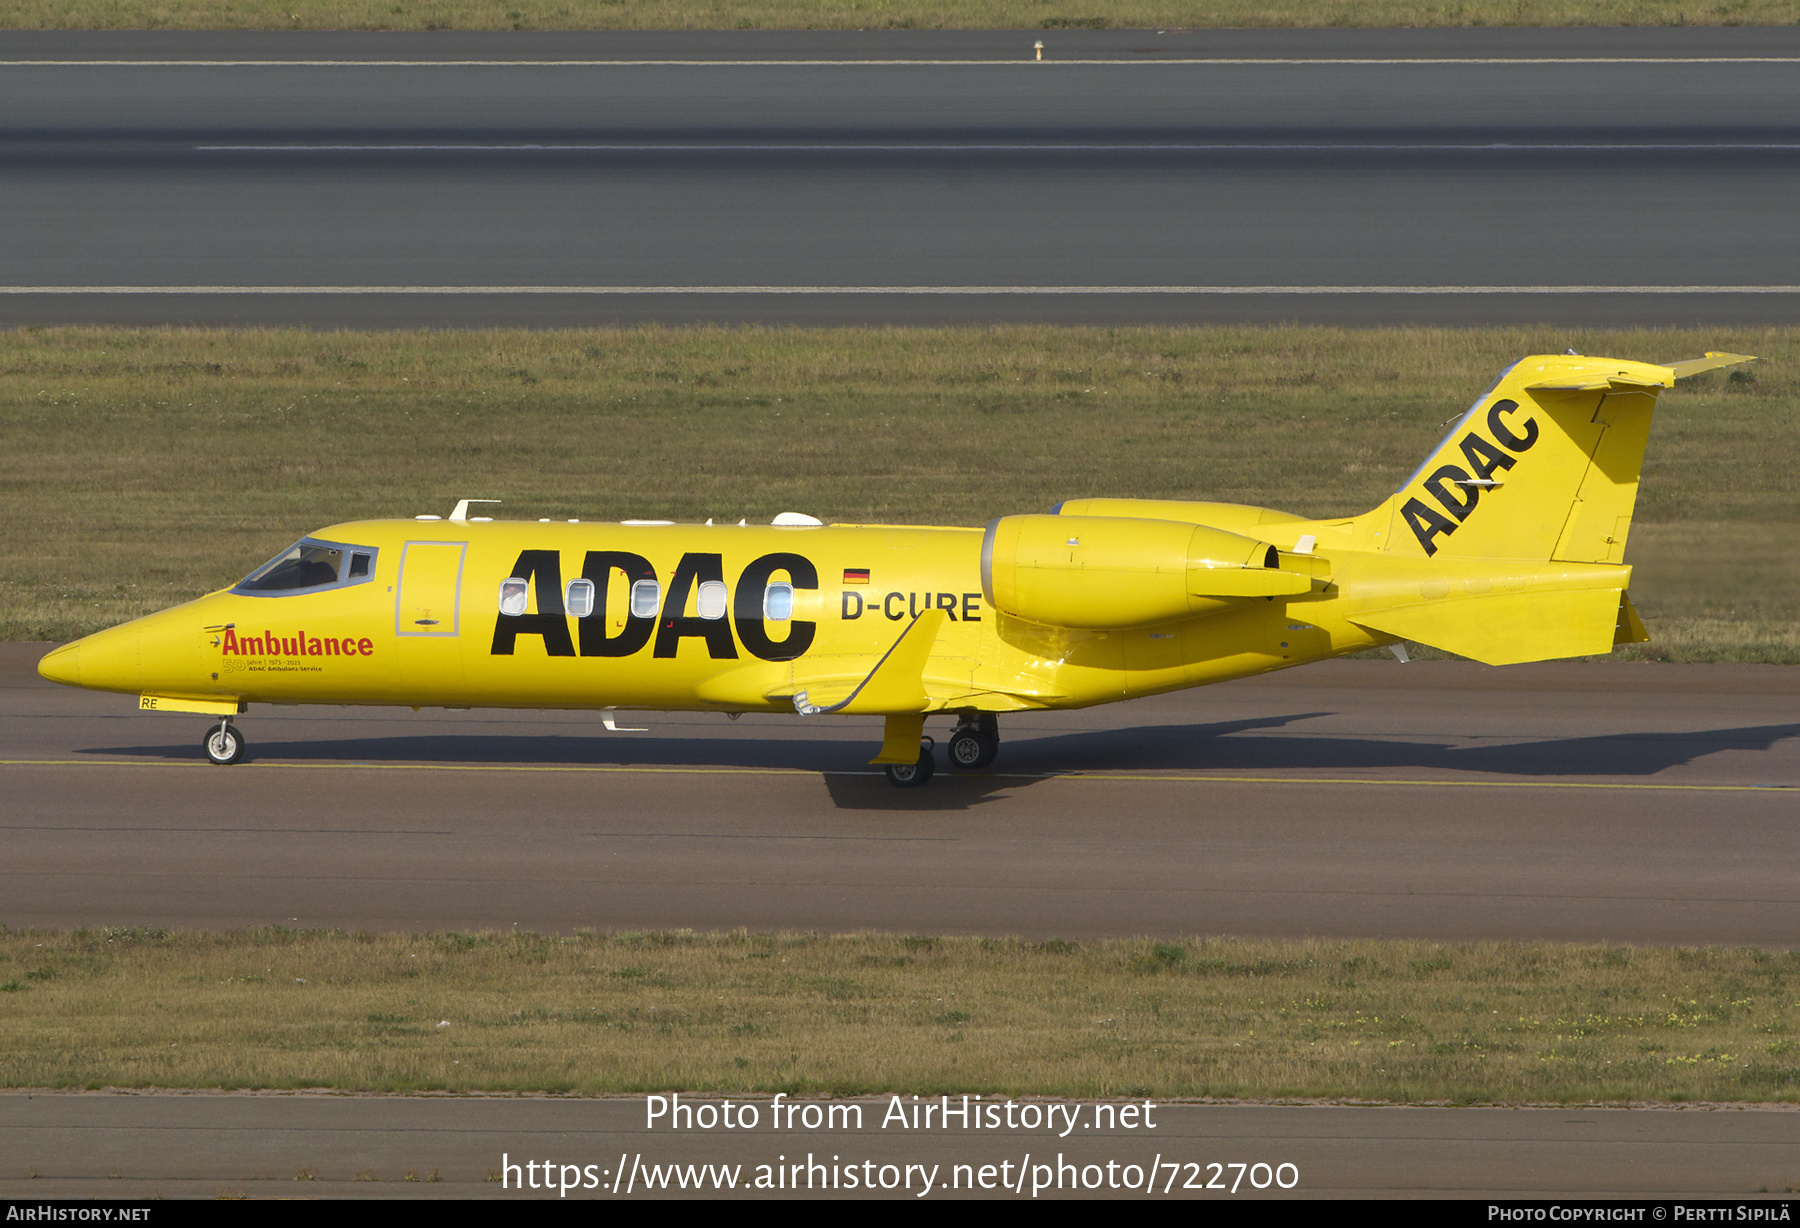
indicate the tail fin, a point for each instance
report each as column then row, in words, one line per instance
column 1508, row 544
column 1544, row 466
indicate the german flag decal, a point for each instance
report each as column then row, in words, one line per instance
column 856, row 575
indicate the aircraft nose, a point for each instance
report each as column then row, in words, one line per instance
column 104, row 661
column 63, row 665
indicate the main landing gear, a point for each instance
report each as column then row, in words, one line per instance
column 972, row 746
column 912, row 775
column 975, row 742
column 224, row 745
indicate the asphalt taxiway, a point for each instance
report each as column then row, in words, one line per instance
column 1643, row 803
column 1440, row 800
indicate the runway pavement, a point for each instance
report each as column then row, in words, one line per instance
column 285, row 1146
column 1630, row 803
column 1461, row 176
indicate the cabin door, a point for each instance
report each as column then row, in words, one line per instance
column 428, row 618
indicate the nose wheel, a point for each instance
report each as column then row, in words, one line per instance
column 224, row 745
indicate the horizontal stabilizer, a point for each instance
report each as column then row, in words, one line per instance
column 1712, row 362
column 1602, row 383
column 1583, row 376
column 1510, row 628
column 1577, row 374
column 1635, row 375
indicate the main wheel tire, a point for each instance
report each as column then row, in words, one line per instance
column 911, row 775
column 224, row 745
column 970, row 750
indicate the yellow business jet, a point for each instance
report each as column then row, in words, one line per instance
column 1507, row 545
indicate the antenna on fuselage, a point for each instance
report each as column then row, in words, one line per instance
column 462, row 508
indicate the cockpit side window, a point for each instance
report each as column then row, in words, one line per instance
column 309, row 566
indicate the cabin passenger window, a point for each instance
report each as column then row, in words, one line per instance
column 711, row 602
column 646, row 599
column 578, row 599
column 514, row 592
column 778, row 602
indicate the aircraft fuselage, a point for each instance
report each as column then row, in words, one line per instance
column 424, row 626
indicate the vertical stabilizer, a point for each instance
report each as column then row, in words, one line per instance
column 1544, row 466
column 1508, row 544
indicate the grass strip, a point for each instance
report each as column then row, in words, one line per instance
column 872, row 14
column 1402, row 1022
column 144, row 467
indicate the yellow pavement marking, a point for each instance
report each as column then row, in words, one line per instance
column 337, row 765
column 1075, row 775
column 1457, row 784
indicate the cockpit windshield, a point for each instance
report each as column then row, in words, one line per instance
column 308, row 566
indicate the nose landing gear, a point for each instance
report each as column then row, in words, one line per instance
column 224, row 745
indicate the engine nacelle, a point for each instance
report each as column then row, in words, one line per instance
column 1111, row 571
